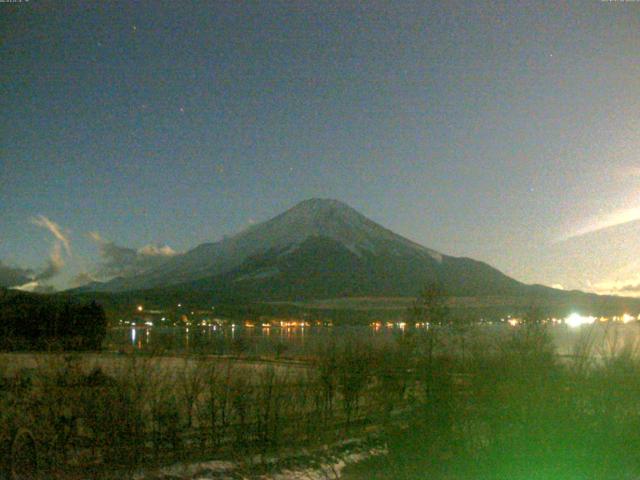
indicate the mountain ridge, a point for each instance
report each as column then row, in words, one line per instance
column 324, row 217
column 319, row 248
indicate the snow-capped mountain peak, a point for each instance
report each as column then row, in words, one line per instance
column 326, row 218
column 313, row 218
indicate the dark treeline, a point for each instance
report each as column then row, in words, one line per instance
column 32, row 321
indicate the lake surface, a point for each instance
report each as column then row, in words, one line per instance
column 601, row 339
column 217, row 340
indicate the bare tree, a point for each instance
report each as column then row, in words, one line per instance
column 430, row 306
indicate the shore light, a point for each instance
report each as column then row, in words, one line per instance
column 576, row 320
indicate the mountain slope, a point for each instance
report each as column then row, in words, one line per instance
column 316, row 249
column 324, row 268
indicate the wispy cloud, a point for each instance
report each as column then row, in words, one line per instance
column 119, row 261
column 623, row 281
column 154, row 250
column 631, row 289
column 30, row 280
column 35, row 286
column 12, row 276
column 599, row 223
column 82, row 279
column 95, row 236
column 54, row 264
column 29, row 286
column 55, row 230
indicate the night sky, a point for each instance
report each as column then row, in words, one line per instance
column 505, row 132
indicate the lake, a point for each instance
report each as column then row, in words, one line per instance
column 602, row 338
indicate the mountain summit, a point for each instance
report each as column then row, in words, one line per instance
column 330, row 219
column 318, row 248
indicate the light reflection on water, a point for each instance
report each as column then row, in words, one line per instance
column 601, row 339
column 225, row 340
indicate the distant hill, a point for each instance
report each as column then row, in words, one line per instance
column 323, row 249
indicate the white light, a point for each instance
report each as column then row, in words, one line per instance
column 626, row 318
column 575, row 320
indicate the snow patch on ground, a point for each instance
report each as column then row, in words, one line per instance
column 327, row 470
column 327, row 465
column 216, row 469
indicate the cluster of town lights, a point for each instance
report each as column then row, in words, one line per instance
column 576, row 320
column 573, row 320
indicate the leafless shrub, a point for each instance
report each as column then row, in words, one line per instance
column 353, row 373
column 190, row 384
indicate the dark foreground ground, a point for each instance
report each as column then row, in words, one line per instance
column 516, row 410
column 436, row 404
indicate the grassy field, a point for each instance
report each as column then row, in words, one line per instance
column 100, row 413
column 170, row 366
